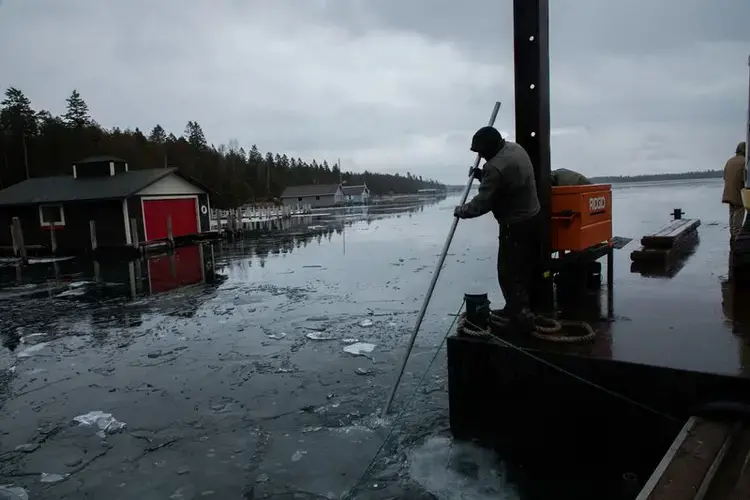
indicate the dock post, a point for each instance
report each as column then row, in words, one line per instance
column 138, row 276
column 92, row 234
column 19, row 239
column 170, row 240
column 13, row 239
column 53, row 240
column 134, row 232
column 131, row 275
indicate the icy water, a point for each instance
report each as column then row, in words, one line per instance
column 257, row 369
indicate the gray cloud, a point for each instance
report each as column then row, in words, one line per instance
column 387, row 85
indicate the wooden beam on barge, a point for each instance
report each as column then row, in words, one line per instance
column 662, row 249
column 708, row 460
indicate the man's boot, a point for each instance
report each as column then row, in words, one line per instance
column 503, row 312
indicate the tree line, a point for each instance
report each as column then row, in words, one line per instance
column 34, row 143
column 699, row 174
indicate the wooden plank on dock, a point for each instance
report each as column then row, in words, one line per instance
column 670, row 235
column 665, row 256
column 707, row 460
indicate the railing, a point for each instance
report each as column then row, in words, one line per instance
column 244, row 216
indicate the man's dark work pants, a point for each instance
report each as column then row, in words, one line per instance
column 516, row 262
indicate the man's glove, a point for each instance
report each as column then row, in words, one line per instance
column 458, row 212
column 476, row 172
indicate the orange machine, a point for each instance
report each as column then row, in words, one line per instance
column 581, row 216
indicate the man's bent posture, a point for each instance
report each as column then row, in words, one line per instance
column 508, row 190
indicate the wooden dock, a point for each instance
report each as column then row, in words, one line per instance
column 708, row 460
column 664, row 247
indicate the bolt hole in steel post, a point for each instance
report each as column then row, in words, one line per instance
column 531, row 38
column 532, row 86
column 533, row 134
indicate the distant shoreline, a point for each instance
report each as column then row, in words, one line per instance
column 622, row 179
column 708, row 174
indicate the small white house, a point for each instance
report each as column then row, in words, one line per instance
column 356, row 195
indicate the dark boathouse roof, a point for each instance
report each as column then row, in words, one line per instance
column 66, row 188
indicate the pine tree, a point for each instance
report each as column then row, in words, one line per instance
column 18, row 121
column 16, row 115
column 158, row 134
column 194, row 135
column 77, row 112
column 269, row 168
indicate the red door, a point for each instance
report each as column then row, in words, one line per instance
column 183, row 212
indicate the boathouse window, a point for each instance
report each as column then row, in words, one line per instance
column 317, row 197
column 299, row 198
column 51, row 215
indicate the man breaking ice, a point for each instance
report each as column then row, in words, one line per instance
column 507, row 189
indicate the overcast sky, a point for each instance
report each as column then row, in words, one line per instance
column 638, row 86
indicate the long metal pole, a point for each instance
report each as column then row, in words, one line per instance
column 436, row 274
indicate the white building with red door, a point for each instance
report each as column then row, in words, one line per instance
column 124, row 205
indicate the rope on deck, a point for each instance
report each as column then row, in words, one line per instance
column 546, row 328
column 467, row 328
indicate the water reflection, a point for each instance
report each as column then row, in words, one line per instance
column 735, row 304
column 299, row 232
column 84, row 297
column 81, row 297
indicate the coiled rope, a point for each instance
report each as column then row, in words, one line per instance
column 545, row 328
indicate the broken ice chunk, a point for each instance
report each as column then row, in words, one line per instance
column 319, row 336
column 13, row 493
column 105, row 421
column 52, row 478
column 359, row 348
